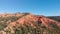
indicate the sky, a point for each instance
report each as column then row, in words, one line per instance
column 39, row 7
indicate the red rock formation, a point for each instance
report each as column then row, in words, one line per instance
column 41, row 19
column 29, row 19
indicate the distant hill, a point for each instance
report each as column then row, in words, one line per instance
column 57, row 18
